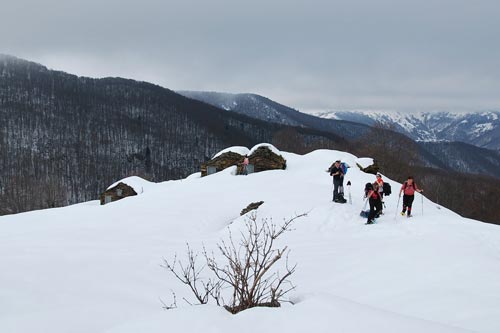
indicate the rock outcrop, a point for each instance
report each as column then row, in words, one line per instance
column 250, row 207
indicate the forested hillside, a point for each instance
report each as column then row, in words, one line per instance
column 64, row 139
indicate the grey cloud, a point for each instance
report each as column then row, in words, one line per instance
column 386, row 54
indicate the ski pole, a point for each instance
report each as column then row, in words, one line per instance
column 397, row 207
column 349, row 188
column 333, row 189
column 422, row 197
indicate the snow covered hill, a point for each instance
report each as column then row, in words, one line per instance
column 481, row 129
column 92, row 268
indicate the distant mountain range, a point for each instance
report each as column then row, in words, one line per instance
column 449, row 141
column 481, row 129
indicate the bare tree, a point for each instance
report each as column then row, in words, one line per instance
column 247, row 270
column 189, row 274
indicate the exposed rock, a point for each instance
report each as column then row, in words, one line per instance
column 373, row 169
column 250, row 207
column 120, row 191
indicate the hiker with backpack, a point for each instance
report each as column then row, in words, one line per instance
column 408, row 189
column 375, row 200
column 338, row 181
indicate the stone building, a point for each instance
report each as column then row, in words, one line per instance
column 262, row 157
column 120, row 191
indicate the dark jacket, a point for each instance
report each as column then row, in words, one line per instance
column 334, row 170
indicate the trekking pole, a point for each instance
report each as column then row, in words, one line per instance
column 349, row 188
column 422, row 197
column 333, row 189
column 397, row 207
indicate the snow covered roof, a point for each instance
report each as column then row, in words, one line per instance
column 245, row 151
column 137, row 183
column 236, row 149
column 268, row 145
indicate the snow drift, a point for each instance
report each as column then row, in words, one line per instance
column 91, row 268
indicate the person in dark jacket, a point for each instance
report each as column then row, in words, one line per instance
column 338, row 181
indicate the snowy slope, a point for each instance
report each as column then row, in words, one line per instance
column 91, row 268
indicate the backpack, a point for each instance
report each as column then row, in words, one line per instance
column 343, row 167
column 368, row 188
column 406, row 185
column 387, row 189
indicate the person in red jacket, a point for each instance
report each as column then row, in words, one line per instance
column 408, row 189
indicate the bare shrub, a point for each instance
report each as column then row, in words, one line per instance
column 246, row 271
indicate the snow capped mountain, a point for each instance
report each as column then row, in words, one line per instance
column 251, row 105
column 481, row 129
column 92, row 268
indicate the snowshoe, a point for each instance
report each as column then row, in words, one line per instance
column 364, row 213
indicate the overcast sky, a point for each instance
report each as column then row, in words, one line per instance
column 311, row 55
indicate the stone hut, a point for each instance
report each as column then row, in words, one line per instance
column 221, row 162
column 262, row 157
column 120, row 191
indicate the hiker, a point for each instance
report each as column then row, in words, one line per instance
column 408, row 189
column 380, row 184
column 375, row 201
column 244, row 170
column 338, row 181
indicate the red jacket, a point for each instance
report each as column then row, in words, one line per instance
column 409, row 189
